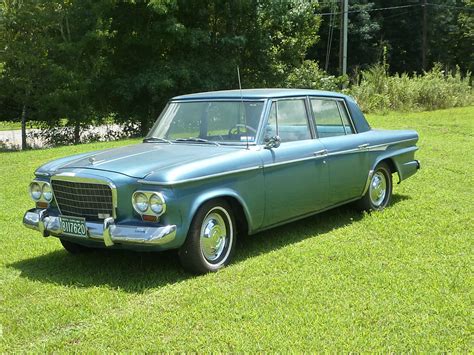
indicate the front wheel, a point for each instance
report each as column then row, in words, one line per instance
column 211, row 238
column 379, row 193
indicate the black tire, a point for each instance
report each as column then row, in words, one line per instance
column 74, row 248
column 210, row 242
column 370, row 202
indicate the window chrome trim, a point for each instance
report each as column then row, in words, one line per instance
column 269, row 107
column 236, row 99
column 337, row 100
column 71, row 177
column 349, row 116
column 259, row 133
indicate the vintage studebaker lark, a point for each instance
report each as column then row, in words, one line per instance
column 217, row 165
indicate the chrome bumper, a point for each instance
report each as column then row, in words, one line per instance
column 107, row 232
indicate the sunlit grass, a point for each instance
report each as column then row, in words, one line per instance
column 395, row 281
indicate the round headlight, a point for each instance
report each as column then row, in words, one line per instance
column 47, row 192
column 157, row 204
column 140, row 201
column 35, row 191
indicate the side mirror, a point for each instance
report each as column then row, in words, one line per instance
column 272, row 142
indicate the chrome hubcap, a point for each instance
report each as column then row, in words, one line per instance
column 215, row 235
column 378, row 188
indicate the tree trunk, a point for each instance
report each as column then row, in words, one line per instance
column 143, row 126
column 24, row 144
column 77, row 132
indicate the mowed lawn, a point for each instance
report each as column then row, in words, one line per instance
column 399, row 280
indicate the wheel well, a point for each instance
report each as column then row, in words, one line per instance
column 238, row 212
column 391, row 165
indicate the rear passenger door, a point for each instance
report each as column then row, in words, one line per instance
column 296, row 177
column 347, row 156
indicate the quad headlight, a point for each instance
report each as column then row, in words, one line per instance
column 149, row 203
column 140, row 202
column 35, row 191
column 41, row 191
column 47, row 192
column 157, row 203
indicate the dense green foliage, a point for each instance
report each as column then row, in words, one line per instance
column 378, row 91
column 87, row 60
column 395, row 281
column 449, row 25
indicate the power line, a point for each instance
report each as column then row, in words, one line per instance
column 398, row 7
column 369, row 10
column 451, row 7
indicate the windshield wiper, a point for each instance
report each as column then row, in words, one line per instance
column 196, row 140
column 156, row 139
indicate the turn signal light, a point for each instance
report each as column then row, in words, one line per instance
column 41, row 205
column 149, row 218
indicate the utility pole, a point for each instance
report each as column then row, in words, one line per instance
column 343, row 37
column 424, row 44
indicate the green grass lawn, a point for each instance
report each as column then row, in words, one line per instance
column 9, row 125
column 399, row 280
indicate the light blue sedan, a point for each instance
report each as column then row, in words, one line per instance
column 217, row 165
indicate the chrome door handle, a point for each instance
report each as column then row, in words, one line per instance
column 321, row 153
column 363, row 146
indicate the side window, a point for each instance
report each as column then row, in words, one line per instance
column 328, row 120
column 288, row 119
column 345, row 118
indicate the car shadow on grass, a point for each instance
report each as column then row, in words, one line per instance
column 136, row 272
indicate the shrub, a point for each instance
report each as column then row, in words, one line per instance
column 310, row 76
column 436, row 89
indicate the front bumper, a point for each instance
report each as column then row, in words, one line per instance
column 107, row 232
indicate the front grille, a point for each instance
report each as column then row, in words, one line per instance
column 80, row 199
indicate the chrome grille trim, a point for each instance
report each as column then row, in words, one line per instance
column 85, row 196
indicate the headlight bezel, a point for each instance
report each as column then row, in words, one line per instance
column 40, row 192
column 137, row 203
column 150, row 195
column 159, row 201
column 50, row 192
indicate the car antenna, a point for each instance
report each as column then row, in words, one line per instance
column 243, row 108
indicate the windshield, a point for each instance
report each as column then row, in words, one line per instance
column 214, row 121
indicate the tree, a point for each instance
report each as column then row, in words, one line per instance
column 163, row 48
column 26, row 67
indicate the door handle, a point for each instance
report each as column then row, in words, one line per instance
column 363, row 146
column 321, row 153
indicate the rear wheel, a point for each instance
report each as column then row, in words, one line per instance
column 74, row 248
column 211, row 238
column 379, row 193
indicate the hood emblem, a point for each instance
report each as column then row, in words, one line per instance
column 92, row 160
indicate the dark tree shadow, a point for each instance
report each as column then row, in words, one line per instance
column 136, row 272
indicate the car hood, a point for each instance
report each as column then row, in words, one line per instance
column 140, row 160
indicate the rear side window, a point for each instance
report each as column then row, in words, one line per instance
column 289, row 120
column 330, row 118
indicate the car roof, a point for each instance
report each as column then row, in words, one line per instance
column 256, row 94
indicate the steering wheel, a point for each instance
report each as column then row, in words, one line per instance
column 235, row 130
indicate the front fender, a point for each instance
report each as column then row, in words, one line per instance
column 219, row 193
